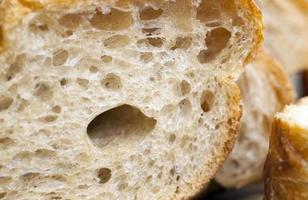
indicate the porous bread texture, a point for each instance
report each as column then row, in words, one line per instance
column 265, row 90
column 285, row 170
column 119, row 99
column 286, row 32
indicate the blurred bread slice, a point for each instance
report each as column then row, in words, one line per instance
column 286, row 168
column 265, row 90
column 119, row 99
column 286, row 32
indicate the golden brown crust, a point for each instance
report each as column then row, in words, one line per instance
column 286, row 171
column 256, row 15
column 302, row 5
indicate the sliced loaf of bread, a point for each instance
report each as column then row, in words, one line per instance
column 265, row 89
column 127, row 99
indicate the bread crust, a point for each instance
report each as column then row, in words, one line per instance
column 256, row 15
column 285, row 171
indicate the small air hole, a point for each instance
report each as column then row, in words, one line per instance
column 149, row 13
column 207, row 100
column 156, row 189
column 111, row 81
column 116, row 41
column 5, row 102
column 6, row 142
column 209, row 11
column 149, row 179
column 67, row 33
column 71, row 21
column 146, row 57
column 82, row 82
column 182, row 43
column 172, row 138
column 43, row 91
column 16, row 66
column 151, row 163
column 27, row 177
column 59, row 57
column 122, row 186
column 40, row 23
column 93, row 69
column 172, row 171
column 112, row 21
column 185, row 107
column 104, row 174
column 155, row 42
column 63, row 82
column 185, row 87
column 49, row 118
column 2, row 194
column 151, row 31
column 56, row 109
column 106, row 59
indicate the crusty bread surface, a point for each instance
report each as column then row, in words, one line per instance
column 104, row 99
column 286, row 171
column 265, row 90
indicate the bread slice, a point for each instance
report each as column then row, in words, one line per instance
column 286, row 32
column 265, row 90
column 119, row 99
column 286, row 170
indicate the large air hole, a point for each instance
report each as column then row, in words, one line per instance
column 215, row 40
column 119, row 126
column 300, row 81
column 149, row 13
column 112, row 21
